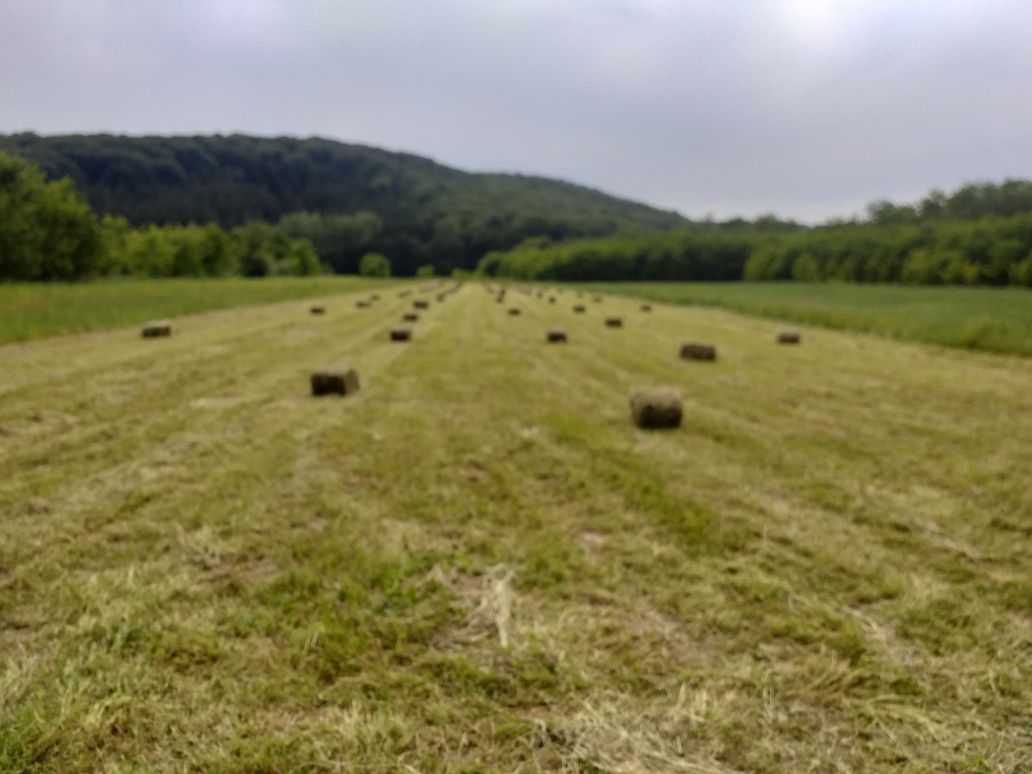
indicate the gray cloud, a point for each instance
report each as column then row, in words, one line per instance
column 809, row 108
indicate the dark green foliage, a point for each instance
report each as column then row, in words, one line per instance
column 47, row 232
column 355, row 199
column 374, row 265
column 990, row 251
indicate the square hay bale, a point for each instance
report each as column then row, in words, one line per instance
column 317, row 309
column 578, row 309
column 698, row 352
column 362, row 304
column 410, row 317
column 420, row 304
column 551, row 299
column 656, row 409
column 156, row 329
column 556, row 337
column 514, row 312
column 401, row 334
column 646, row 307
column 374, row 297
column 614, row 322
column 334, row 382
column 788, row 337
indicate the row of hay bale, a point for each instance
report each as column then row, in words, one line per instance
column 650, row 408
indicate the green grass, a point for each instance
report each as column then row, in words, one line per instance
column 991, row 319
column 33, row 310
column 476, row 563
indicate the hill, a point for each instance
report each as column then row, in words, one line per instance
column 411, row 208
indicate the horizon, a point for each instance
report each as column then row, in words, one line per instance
column 805, row 109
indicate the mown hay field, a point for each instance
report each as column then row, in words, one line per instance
column 477, row 562
column 989, row 319
column 35, row 310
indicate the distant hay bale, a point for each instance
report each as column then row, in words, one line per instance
column 653, row 409
column 698, row 352
column 334, row 382
column 597, row 299
column 156, row 329
column 441, row 297
column 614, row 322
column 419, row 304
column 514, row 312
column 401, row 334
column 578, row 309
column 556, row 337
column 410, row 317
column 374, row 297
column 551, row 299
column 646, row 308
column 317, row 309
column 788, row 337
column 362, row 304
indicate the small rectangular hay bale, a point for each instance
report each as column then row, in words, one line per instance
column 646, row 307
column 788, row 337
column 579, row 309
column 656, row 409
column 698, row 352
column 514, row 312
column 614, row 322
column 420, row 304
column 410, row 317
column 317, row 309
column 556, row 337
column 334, row 382
column 362, row 304
column 401, row 334
column 156, row 329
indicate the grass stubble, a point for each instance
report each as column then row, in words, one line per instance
column 477, row 563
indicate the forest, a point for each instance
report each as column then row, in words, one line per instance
column 347, row 200
column 83, row 206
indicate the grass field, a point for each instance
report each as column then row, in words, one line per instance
column 990, row 319
column 33, row 310
column 476, row 563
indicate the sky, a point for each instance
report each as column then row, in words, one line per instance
column 806, row 108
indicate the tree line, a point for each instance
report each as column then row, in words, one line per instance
column 990, row 250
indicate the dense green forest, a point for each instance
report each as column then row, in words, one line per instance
column 49, row 232
column 988, row 250
column 346, row 199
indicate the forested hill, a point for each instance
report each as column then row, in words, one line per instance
column 412, row 209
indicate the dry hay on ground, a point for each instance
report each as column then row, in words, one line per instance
column 514, row 312
column 614, row 322
column 579, row 309
column 698, row 352
column 317, row 309
column 556, row 337
column 788, row 337
column 419, row 304
column 401, row 334
column 334, row 382
column 410, row 317
column 653, row 409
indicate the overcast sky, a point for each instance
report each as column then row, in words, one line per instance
column 809, row 108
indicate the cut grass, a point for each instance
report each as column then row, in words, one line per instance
column 826, row 568
column 34, row 310
column 990, row 319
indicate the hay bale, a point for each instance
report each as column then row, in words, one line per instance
column 788, row 337
column 698, row 352
column 156, row 329
column 374, row 297
column 362, row 304
column 420, row 304
column 614, row 322
column 653, row 409
column 597, row 299
column 551, row 299
column 646, row 308
column 410, row 317
column 556, row 337
column 401, row 334
column 514, row 312
column 334, row 382
column 578, row 309
column 317, row 309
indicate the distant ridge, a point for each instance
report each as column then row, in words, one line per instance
column 427, row 212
